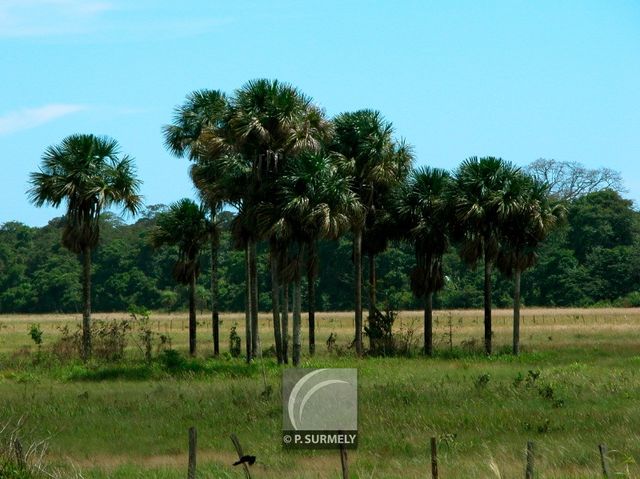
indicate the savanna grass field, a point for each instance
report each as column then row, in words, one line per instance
column 575, row 385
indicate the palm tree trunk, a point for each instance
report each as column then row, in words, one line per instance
column 275, row 304
column 372, row 288
column 487, row 305
column 357, row 262
column 311, row 296
column 215, row 317
column 253, row 268
column 428, row 324
column 284, row 307
column 192, row 314
column 372, row 284
column 247, row 304
column 516, row 313
column 297, row 319
column 86, row 303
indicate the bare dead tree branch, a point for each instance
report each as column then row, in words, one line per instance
column 569, row 180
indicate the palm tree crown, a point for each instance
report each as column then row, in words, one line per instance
column 198, row 125
column 376, row 161
column 198, row 131
column 484, row 194
column 528, row 225
column 271, row 119
column 314, row 200
column 87, row 173
column 184, row 225
column 424, row 211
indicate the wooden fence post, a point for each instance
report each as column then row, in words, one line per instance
column 530, row 460
column 344, row 462
column 193, row 444
column 20, row 459
column 434, row 458
column 604, row 461
column 236, row 444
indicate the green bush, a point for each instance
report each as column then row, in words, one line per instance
column 172, row 360
column 235, row 343
column 380, row 332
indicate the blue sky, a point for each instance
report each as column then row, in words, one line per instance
column 516, row 79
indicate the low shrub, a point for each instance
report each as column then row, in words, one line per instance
column 109, row 341
column 379, row 330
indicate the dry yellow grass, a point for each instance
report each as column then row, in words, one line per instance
column 541, row 328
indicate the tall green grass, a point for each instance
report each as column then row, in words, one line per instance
column 130, row 420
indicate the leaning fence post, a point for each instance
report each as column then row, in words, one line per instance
column 236, row 444
column 530, row 460
column 344, row 461
column 603, row 460
column 193, row 444
column 434, row 458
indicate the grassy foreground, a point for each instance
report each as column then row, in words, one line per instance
column 576, row 385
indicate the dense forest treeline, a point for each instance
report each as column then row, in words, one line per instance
column 592, row 259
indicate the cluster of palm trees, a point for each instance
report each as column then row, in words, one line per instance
column 296, row 177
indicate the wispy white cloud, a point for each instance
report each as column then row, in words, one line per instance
column 113, row 20
column 31, row 117
column 25, row 18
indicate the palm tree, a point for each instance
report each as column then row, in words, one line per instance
column 269, row 121
column 185, row 226
column 198, row 131
column 314, row 201
column 205, row 175
column 523, row 230
column 376, row 163
column 425, row 216
column 88, row 174
column 235, row 182
column 482, row 198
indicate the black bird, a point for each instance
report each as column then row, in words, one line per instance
column 248, row 459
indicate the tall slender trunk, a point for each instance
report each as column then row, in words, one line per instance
column 372, row 289
column 192, row 314
column 247, row 304
column 285, row 322
column 372, row 284
column 253, row 268
column 297, row 318
column 275, row 304
column 428, row 324
column 311, row 296
column 215, row 317
column 86, row 303
column 516, row 312
column 487, row 305
column 357, row 264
